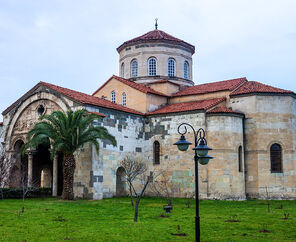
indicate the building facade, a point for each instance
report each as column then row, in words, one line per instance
column 250, row 126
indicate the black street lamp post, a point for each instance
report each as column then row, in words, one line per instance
column 201, row 155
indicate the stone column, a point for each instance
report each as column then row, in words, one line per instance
column 55, row 177
column 30, row 168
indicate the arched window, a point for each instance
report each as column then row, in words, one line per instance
column 123, row 99
column 113, row 97
column 276, row 158
column 186, row 70
column 171, row 67
column 152, row 66
column 122, row 70
column 240, row 159
column 156, row 153
column 134, row 68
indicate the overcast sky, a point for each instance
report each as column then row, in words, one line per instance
column 73, row 43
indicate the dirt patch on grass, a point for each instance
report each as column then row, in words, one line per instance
column 232, row 221
column 265, row 231
column 181, row 234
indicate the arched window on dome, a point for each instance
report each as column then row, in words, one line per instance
column 123, row 99
column 152, row 66
column 171, row 67
column 134, row 68
column 276, row 158
column 122, row 70
column 186, row 70
column 156, row 153
column 113, row 97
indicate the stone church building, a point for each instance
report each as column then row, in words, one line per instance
column 251, row 127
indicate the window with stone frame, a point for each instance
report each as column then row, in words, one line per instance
column 122, row 70
column 276, row 164
column 186, row 70
column 171, row 67
column 240, row 159
column 156, row 153
column 134, row 68
column 152, row 66
column 113, row 97
column 123, row 99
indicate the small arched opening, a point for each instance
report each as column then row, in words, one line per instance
column 46, row 178
column 120, row 182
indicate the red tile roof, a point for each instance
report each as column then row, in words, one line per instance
column 139, row 87
column 188, row 106
column 223, row 110
column 257, row 87
column 88, row 99
column 154, row 36
column 99, row 114
column 164, row 81
column 228, row 85
column 1, row 123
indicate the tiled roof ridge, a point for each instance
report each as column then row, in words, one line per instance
column 163, row 81
column 258, row 87
column 188, row 106
column 89, row 99
column 137, row 86
column 223, row 110
column 230, row 84
column 156, row 35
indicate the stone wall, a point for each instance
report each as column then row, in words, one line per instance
column 220, row 178
column 129, row 133
column 225, row 136
column 269, row 119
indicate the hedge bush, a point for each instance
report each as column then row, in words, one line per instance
column 18, row 192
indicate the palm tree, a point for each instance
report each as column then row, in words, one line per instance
column 67, row 132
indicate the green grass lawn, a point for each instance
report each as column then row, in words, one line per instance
column 112, row 220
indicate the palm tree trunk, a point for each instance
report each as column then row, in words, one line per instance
column 68, row 173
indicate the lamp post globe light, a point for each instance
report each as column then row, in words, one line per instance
column 200, row 155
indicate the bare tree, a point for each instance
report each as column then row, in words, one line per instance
column 164, row 187
column 135, row 169
column 26, row 188
column 5, row 166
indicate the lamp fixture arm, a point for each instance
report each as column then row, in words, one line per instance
column 198, row 135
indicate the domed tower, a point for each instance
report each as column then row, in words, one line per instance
column 156, row 56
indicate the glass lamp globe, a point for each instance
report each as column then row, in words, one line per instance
column 203, row 160
column 182, row 143
column 202, row 149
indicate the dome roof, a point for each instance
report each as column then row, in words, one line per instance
column 156, row 36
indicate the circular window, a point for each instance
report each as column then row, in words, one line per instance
column 40, row 110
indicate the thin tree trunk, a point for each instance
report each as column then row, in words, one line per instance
column 131, row 195
column 24, row 195
column 137, row 209
column 68, row 173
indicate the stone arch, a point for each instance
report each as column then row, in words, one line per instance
column 120, row 182
column 38, row 97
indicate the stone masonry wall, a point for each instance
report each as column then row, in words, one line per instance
column 269, row 119
column 220, row 178
column 225, row 136
column 128, row 131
